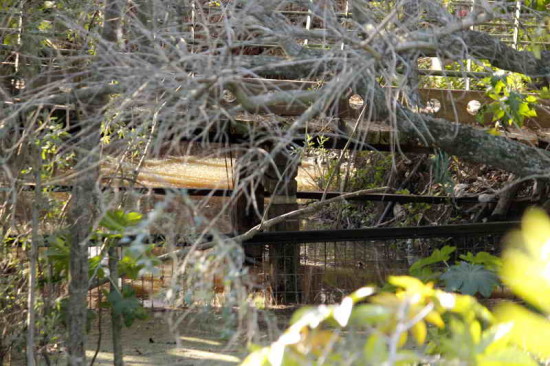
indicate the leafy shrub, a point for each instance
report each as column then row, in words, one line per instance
column 474, row 274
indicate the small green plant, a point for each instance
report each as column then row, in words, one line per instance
column 136, row 260
column 441, row 167
column 126, row 304
column 423, row 268
column 468, row 278
column 474, row 274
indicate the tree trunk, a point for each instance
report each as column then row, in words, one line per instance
column 85, row 198
column 83, row 213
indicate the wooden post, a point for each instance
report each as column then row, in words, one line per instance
column 280, row 182
column 248, row 208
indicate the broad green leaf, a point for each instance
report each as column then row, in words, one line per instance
column 126, row 304
column 490, row 261
column 470, row 279
column 531, row 99
column 437, row 256
column 129, row 267
column 118, row 220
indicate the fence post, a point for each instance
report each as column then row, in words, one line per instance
column 248, row 208
column 280, row 182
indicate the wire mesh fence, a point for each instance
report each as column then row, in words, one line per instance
column 330, row 264
column 329, row 270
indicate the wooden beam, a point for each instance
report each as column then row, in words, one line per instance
column 388, row 233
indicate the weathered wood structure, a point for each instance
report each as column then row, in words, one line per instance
column 340, row 124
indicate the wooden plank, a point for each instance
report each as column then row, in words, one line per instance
column 453, row 103
column 310, row 195
column 389, row 233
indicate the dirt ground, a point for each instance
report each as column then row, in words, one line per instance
column 200, row 341
column 150, row 342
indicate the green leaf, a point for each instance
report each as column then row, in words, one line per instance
column 58, row 254
column 438, row 256
column 491, row 262
column 470, row 279
column 369, row 314
column 118, row 220
column 539, row 5
column 129, row 267
column 126, row 304
column 499, row 114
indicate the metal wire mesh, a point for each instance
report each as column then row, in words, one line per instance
column 329, row 270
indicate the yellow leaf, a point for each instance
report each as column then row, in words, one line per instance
column 535, row 227
column 419, row 332
column 386, row 299
column 435, row 318
column 506, row 357
column 411, row 284
column 494, row 132
column 526, row 261
column 527, row 277
column 475, row 331
column 469, row 307
column 530, row 331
